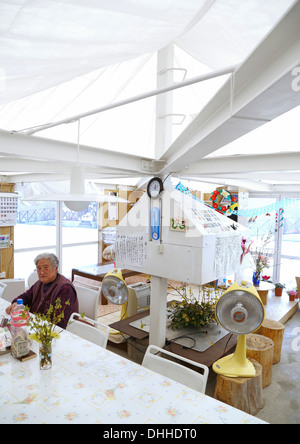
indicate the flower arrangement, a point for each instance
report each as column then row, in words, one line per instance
column 43, row 325
column 261, row 262
column 192, row 312
column 43, row 331
column 261, row 256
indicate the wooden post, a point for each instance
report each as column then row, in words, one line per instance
column 263, row 294
column 7, row 254
column 261, row 349
column 275, row 331
column 242, row 393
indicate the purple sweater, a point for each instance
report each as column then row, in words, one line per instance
column 40, row 296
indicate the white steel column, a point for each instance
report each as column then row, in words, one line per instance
column 164, row 102
column 158, row 311
column 59, row 239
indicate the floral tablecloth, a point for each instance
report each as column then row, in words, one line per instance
column 89, row 384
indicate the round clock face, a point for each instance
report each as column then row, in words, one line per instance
column 155, row 187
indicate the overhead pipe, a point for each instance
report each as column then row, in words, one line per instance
column 194, row 80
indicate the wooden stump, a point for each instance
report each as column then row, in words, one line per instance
column 261, row 349
column 242, row 393
column 275, row 331
column 263, row 294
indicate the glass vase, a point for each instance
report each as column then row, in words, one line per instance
column 46, row 356
column 256, row 278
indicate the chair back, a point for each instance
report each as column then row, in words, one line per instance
column 89, row 329
column 32, row 279
column 88, row 299
column 193, row 379
column 2, row 289
column 14, row 289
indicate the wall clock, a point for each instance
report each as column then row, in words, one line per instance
column 155, row 188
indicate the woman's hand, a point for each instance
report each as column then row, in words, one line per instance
column 9, row 309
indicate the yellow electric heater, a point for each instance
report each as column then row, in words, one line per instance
column 115, row 290
column 240, row 311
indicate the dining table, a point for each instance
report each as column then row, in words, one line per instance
column 88, row 384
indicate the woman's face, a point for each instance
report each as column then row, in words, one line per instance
column 45, row 271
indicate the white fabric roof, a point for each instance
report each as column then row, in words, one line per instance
column 55, row 41
column 62, row 57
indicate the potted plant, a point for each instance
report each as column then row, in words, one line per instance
column 192, row 312
column 292, row 295
column 278, row 289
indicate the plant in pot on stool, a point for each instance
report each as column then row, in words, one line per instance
column 279, row 289
column 293, row 294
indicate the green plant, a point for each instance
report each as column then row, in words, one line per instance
column 191, row 312
column 278, row 285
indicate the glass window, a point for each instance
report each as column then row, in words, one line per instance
column 290, row 251
column 36, row 225
column 261, row 223
column 38, row 229
column 79, row 238
column 35, row 233
column 81, row 226
column 24, row 262
column 78, row 256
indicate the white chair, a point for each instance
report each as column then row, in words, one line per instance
column 14, row 289
column 98, row 334
column 2, row 289
column 32, row 279
column 88, row 299
column 180, row 373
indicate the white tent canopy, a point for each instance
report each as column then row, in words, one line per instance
column 66, row 57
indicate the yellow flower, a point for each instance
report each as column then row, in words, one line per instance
column 34, row 337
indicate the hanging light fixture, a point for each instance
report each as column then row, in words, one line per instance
column 77, row 199
column 77, row 188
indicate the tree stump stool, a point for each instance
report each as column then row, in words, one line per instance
column 261, row 349
column 242, row 393
column 275, row 331
column 263, row 294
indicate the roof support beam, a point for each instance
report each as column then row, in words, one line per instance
column 245, row 164
column 20, row 146
column 262, row 91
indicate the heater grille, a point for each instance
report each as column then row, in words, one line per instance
column 114, row 290
column 251, row 309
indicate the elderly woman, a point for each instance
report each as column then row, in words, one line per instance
column 50, row 286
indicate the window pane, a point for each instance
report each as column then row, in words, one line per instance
column 80, row 227
column 36, row 225
column 35, row 229
column 24, row 262
column 289, row 269
column 260, row 225
column 291, row 230
column 290, row 253
column 79, row 256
